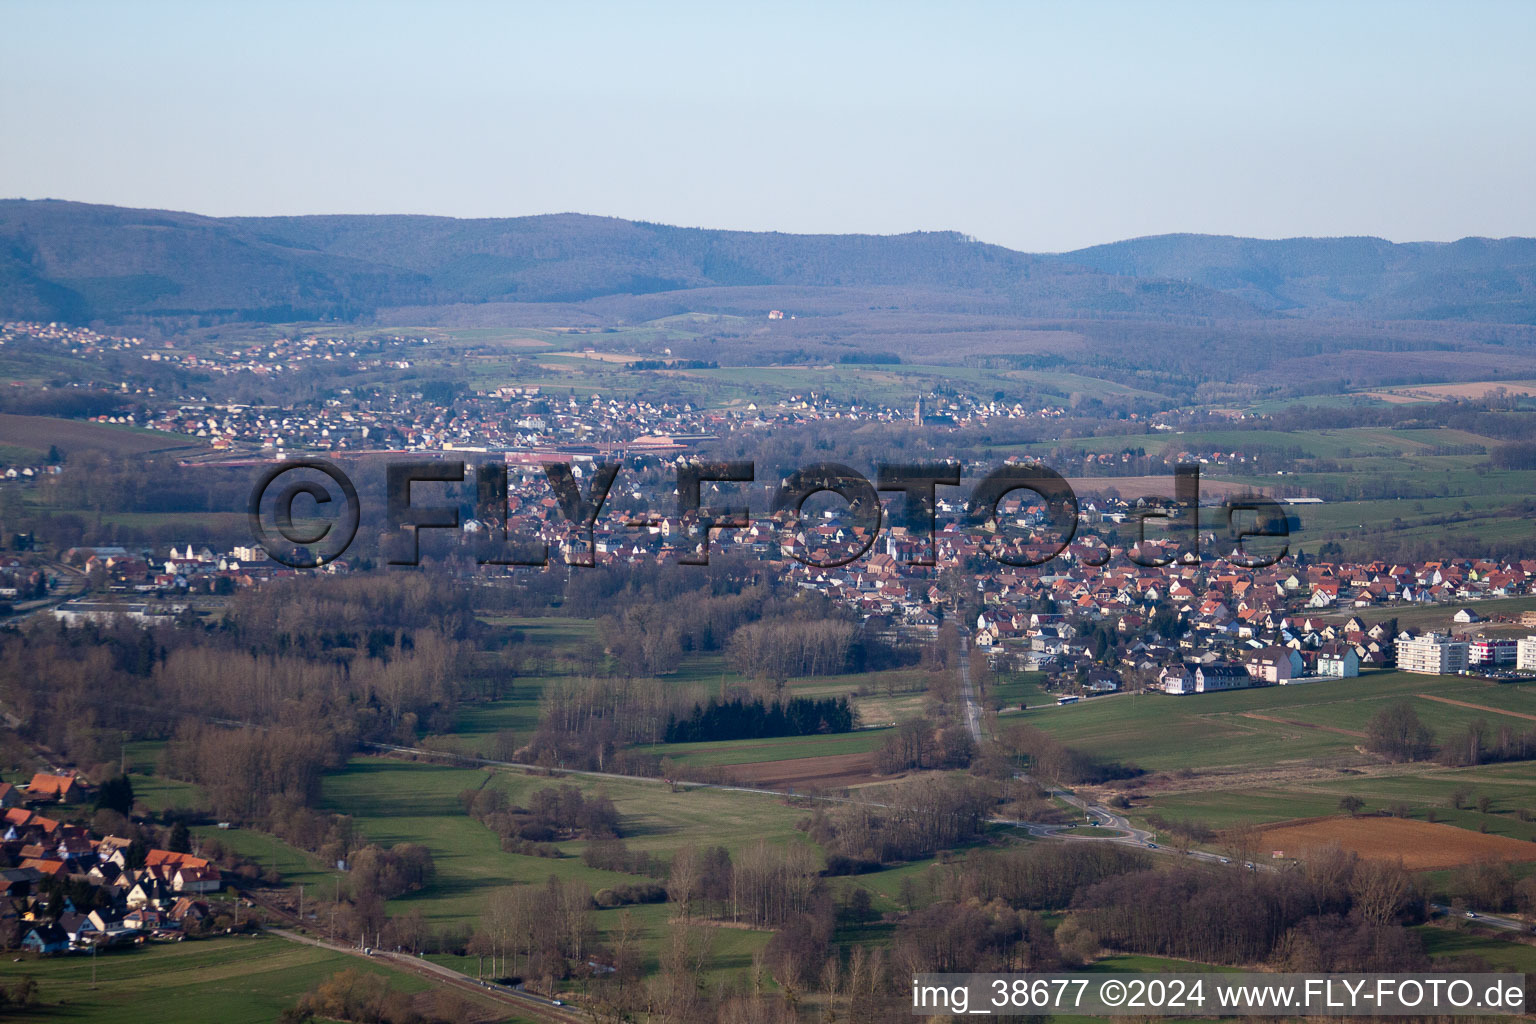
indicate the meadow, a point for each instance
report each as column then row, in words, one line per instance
column 1222, row 731
column 235, row 980
column 396, row 801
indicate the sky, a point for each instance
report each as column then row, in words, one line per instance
column 1042, row 127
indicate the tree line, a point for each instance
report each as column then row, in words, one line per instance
column 740, row 719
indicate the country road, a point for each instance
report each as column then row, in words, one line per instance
column 1507, row 924
column 968, row 691
column 1098, row 817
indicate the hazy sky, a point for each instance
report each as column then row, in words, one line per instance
column 1041, row 127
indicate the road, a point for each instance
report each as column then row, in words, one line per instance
column 1104, row 825
column 968, row 692
column 1507, row 924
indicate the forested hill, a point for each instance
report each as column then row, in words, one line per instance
column 1474, row 278
column 77, row 262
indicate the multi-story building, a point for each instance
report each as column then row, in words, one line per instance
column 1525, row 654
column 1433, row 654
column 1221, row 675
column 1492, row 652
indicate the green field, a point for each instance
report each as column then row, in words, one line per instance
column 1017, row 688
column 1347, row 443
column 1438, row 616
column 242, row 980
column 1501, row 953
column 1424, row 788
column 397, row 801
column 1216, row 730
column 547, row 647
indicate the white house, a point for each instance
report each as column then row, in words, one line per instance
column 1177, row 680
column 197, row 879
column 1338, row 661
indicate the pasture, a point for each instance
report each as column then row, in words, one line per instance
column 399, row 801
column 1442, row 942
column 1303, row 723
column 237, row 980
column 1426, row 790
column 1438, row 616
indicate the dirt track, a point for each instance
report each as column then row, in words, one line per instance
column 1303, row 725
column 1420, row 844
column 1478, row 707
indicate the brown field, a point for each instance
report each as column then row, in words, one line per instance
column 1421, row 845
column 1154, row 486
column 832, row 771
column 37, row 433
column 1472, row 389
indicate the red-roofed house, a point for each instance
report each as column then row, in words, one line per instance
column 171, row 860
column 45, row 865
column 65, row 789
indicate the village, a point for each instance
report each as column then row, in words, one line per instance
column 1091, row 628
column 64, row 888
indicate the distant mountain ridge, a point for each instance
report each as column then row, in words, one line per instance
column 79, row 262
column 1473, row 278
